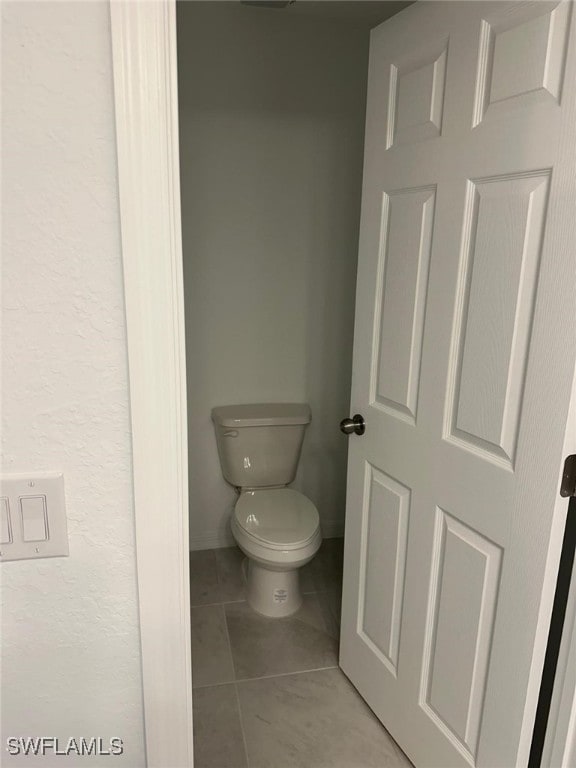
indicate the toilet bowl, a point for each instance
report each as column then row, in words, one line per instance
column 277, row 528
column 279, row 532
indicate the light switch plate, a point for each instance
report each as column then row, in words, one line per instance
column 33, row 516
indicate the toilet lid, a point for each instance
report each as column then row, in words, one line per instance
column 279, row 516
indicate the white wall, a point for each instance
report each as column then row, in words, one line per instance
column 70, row 628
column 271, row 135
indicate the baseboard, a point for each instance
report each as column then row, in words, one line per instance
column 332, row 529
column 211, row 540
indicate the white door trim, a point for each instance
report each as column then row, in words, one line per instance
column 145, row 84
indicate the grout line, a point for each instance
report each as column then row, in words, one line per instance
column 228, row 638
column 222, row 602
column 213, row 685
column 235, row 686
column 229, row 642
column 286, row 674
column 241, row 719
column 267, row 677
column 218, row 584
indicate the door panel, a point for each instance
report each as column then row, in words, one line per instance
column 462, row 602
column 463, row 369
column 522, row 57
column 383, row 560
column 406, row 238
column 501, row 251
column 416, row 93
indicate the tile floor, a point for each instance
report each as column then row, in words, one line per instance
column 268, row 693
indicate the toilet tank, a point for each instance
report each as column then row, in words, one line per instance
column 259, row 445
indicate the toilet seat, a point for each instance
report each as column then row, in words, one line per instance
column 280, row 519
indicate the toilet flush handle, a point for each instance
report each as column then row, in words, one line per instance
column 231, row 433
column 356, row 424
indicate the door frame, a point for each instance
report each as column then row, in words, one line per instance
column 146, row 100
column 559, row 747
column 144, row 56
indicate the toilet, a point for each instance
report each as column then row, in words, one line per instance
column 276, row 527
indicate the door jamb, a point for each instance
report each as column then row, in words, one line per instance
column 145, row 88
column 560, row 737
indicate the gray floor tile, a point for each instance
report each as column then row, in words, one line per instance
column 313, row 720
column 211, row 658
column 218, row 741
column 331, row 607
column 307, row 578
column 324, row 572
column 204, row 587
column 262, row 646
column 230, row 576
column 333, row 553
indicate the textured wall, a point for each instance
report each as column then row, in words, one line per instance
column 271, row 142
column 70, row 634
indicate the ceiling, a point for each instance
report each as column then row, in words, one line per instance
column 360, row 13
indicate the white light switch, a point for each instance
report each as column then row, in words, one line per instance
column 33, row 516
column 5, row 532
column 33, row 512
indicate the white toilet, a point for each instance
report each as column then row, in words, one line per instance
column 276, row 527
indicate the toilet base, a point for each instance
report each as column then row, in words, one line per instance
column 273, row 593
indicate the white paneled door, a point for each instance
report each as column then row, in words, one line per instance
column 463, row 370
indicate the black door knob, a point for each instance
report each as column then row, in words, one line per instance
column 356, row 424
